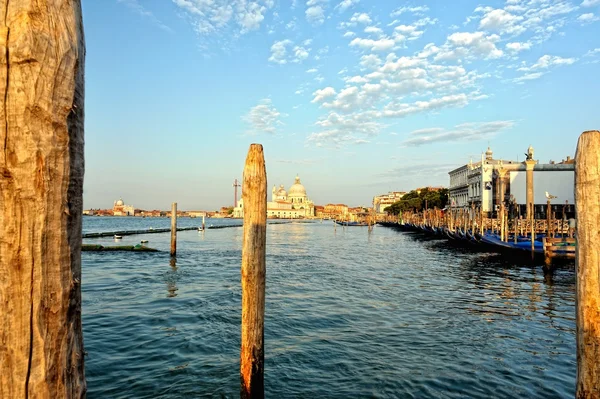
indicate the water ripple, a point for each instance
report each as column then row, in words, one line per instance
column 348, row 314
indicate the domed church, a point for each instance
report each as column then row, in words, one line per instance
column 292, row 204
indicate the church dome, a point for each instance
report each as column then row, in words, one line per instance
column 297, row 189
column 281, row 192
column 120, row 202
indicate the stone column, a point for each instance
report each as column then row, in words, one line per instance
column 501, row 185
column 529, row 164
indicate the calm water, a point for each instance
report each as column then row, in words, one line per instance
column 349, row 314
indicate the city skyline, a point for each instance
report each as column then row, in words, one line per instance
column 358, row 98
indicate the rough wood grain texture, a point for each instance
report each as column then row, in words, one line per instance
column 42, row 53
column 587, row 207
column 173, row 228
column 254, row 193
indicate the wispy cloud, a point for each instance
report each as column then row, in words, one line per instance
column 135, row 6
column 462, row 132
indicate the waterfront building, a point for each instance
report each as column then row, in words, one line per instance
column 473, row 184
column 383, row 201
column 319, row 211
column 490, row 182
column 335, row 211
column 292, row 204
column 120, row 209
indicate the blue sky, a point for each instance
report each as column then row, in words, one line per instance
column 357, row 97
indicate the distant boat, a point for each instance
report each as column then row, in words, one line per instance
column 117, row 237
column 345, row 223
column 144, row 241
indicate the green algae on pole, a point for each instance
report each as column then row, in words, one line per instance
column 254, row 194
column 128, row 248
column 42, row 60
column 587, row 264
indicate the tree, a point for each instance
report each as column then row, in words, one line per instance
column 418, row 200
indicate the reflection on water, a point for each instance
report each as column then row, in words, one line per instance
column 171, row 278
column 349, row 314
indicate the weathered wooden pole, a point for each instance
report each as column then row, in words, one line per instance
column 587, row 263
column 173, row 228
column 532, row 230
column 254, row 194
column 548, row 218
column 42, row 59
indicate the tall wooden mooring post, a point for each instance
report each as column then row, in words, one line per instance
column 254, row 194
column 587, row 207
column 42, row 58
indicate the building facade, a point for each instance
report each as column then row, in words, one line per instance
column 292, row 204
column 381, row 202
column 120, row 209
column 488, row 183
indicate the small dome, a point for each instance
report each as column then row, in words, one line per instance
column 281, row 192
column 489, row 153
column 297, row 189
column 120, row 202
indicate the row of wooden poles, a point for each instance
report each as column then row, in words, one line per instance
column 41, row 194
column 474, row 219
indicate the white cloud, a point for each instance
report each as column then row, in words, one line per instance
column 588, row 18
column 322, row 94
column 280, row 54
column 349, row 34
column 263, row 118
column 315, row 15
column 339, row 129
column 547, row 61
column 357, row 18
column 469, row 45
column 279, row 51
column 462, row 132
column 312, row 70
column 346, row 4
column 382, row 44
column 415, row 10
column 528, row 76
column 593, row 52
column 370, row 61
column 216, row 15
column 518, row 47
column 503, row 21
column 590, row 3
column 374, row 30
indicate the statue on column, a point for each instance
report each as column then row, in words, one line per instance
column 529, row 154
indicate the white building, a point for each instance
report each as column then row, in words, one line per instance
column 382, row 202
column 294, row 204
column 479, row 183
column 120, row 209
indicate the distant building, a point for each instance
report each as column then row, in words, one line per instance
column 294, row 204
column 120, row 209
column 335, row 211
column 381, row 202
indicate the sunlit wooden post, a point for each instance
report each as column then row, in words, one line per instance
column 587, row 207
column 254, row 194
column 173, row 228
column 42, row 57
